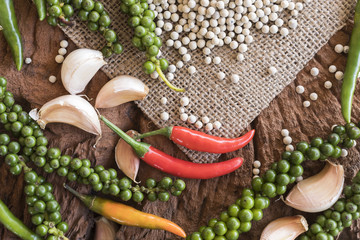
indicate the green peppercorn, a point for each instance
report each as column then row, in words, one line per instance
column 302, row 147
column 72, row 176
column 149, row 67
column 37, row 219
column 117, row 48
column 348, row 143
column 16, row 170
column 315, row 228
column 75, row 163
column 313, row 153
column 220, row 228
column 164, row 64
column 152, row 197
column 296, row 170
column 115, row 190
column 208, row 233
column 257, row 183
column 337, row 152
column 260, row 203
column 258, row 214
column 180, row 185
column 316, row 142
column 350, row 207
column 327, row 149
column 104, row 21
column 164, row 196
column 31, row 177
column 245, row 215
column 270, row 176
column 233, row 210
column 340, row 130
column 269, row 189
column 125, row 183
column 296, row 157
column 336, row 216
column 62, row 171
column 340, row 205
column 233, row 223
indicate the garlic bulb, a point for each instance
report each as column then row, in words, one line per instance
column 126, row 158
column 105, row 230
column 70, row 109
column 120, row 90
column 319, row 192
column 79, row 67
column 286, row 228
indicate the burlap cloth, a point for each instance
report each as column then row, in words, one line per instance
column 234, row 105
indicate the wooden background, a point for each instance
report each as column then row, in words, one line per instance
column 203, row 199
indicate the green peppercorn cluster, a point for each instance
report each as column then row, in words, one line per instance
column 32, row 146
column 88, row 10
column 237, row 219
column 42, row 206
column 332, row 221
column 145, row 39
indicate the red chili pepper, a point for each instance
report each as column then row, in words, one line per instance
column 175, row 166
column 200, row 141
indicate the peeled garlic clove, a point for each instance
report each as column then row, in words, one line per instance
column 319, row 192
column 120, row 90
column 126, row 158
column 70, row 109
column 286, row 228
column 105, row 230
column 79, row 67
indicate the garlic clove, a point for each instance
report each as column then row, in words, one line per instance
column 120, row 90
column 286, row 228
column 319, row 192
column 70, row 109
column 79, row 67
column 105, row 230
column 126, row 159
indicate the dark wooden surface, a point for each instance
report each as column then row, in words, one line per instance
column 203, row 199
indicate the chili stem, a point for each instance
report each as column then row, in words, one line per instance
column 67, row 187
column 162, row 76
column 163, row 131
column 139, row 147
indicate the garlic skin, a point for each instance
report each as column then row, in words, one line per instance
column 319, row 192
column 70, row 109
column 120, row 90
column 126, row 159
column 105, row 230
column 79, row 67
column 286, row 228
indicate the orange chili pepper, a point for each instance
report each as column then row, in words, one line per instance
column 126, row 215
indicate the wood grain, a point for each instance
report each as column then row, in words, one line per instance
column 203, row 199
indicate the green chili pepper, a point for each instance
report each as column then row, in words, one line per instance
column 11, row 31
column 352, row 68
column 41, row 8
column 14, row 224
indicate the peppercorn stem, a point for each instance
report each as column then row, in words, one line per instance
column 66, row 22
column 166, row 131
column 162, row 76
